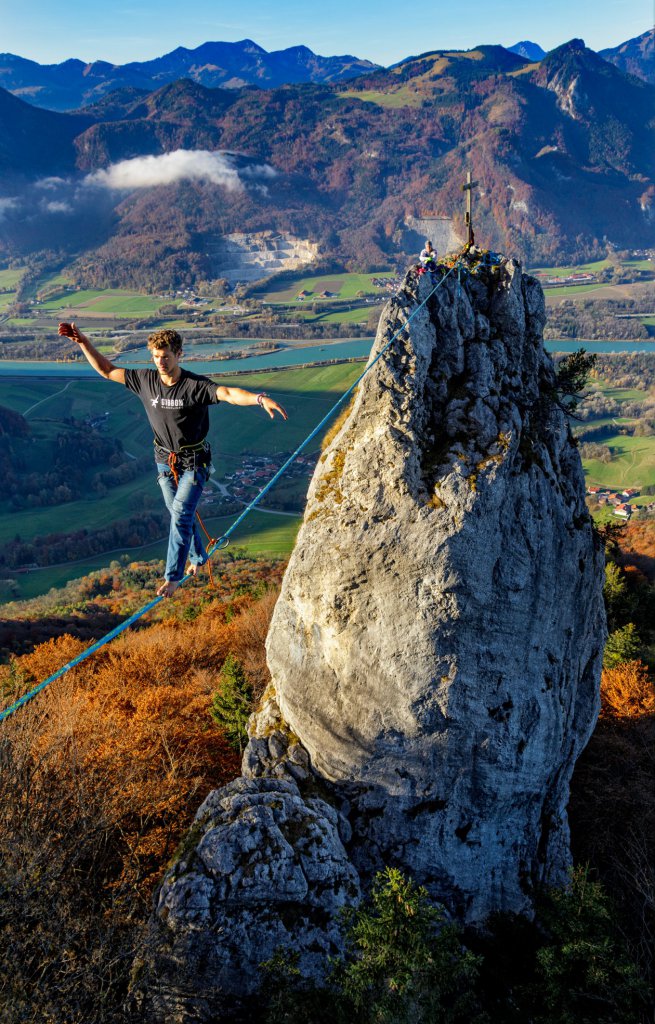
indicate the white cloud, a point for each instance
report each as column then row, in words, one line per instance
column 10, row 203
column 56, row 206
column 51, row 183
column 183, row 164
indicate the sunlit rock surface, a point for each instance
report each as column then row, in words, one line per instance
column 437, row 643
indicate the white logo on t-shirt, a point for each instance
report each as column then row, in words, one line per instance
column 154, row 402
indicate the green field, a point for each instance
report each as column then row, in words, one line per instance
column 402, row 97
column 574, row 289
column 8, row 280
column 271, row 534
column 632, row 466
column 344, row 286
column 640, row 264
column 307, row 394
column 582, row 268
column 358, row 315
column 10, row 277
column 112, row 300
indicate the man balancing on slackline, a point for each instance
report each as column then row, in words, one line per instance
column 176, row 402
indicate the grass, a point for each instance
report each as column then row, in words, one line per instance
column 575, row 289
column 344, row 286
column 633, row 462
column 396, row 100
column 632, row 466
column 582, row 268
column 10, row 277
column 95, row 301
column 93, row 513
column 640, row 264
column 357, row 315
column 620, row 394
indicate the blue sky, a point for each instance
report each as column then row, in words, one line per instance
column 383, row 31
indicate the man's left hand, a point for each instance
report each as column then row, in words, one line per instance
column 272, row 407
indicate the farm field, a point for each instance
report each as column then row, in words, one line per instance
column 8, row 280
column 358, row 315
column 632, row 466
column 343, row 286
column 403, row 97
column 581, row 268
column 10, row 276
column 633, row 462
column 94, row 302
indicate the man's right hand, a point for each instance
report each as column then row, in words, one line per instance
column 71, row 331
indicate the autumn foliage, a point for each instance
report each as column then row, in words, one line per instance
column 100, row 777
column 627, row 691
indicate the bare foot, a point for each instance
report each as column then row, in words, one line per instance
column 168, row 588
column 192, row 569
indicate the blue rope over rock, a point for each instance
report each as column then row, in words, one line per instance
column 223, row 541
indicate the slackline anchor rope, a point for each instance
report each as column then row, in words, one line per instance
column 223, row 541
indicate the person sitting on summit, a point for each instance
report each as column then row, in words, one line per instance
column 176, row 402
column 428, row 257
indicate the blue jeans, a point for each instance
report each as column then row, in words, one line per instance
column 184, row 539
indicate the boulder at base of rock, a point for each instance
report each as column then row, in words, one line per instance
column 262, row 871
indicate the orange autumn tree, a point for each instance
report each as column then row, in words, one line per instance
column 627, row 691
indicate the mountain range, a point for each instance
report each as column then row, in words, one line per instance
column 74, row 83
column 563, row 148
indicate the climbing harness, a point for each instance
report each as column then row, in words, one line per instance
column 223, row 541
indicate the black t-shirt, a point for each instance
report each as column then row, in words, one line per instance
column 178, row 415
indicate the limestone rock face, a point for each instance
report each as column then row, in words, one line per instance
column 263, row 870
column 435, row 656
column 437, row 643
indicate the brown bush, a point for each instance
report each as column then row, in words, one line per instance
column 100, row 777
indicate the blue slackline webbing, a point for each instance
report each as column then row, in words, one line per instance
column 223, row 541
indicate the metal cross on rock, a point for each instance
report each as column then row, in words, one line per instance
column 468, row 188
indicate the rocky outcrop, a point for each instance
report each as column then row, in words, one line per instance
column 262, row 870
column 435, row 655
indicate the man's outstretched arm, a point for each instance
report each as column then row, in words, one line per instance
column 239, row 396
column 100, row 363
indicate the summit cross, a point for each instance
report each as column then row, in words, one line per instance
column 468, row 188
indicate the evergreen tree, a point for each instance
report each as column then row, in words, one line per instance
column 584, row 975
column 572, row 375
column 232, row 703
column 403, row 964
column 622, row 645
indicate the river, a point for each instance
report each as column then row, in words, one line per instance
column 201, row 361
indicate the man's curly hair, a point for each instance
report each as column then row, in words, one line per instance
column 165, row 339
